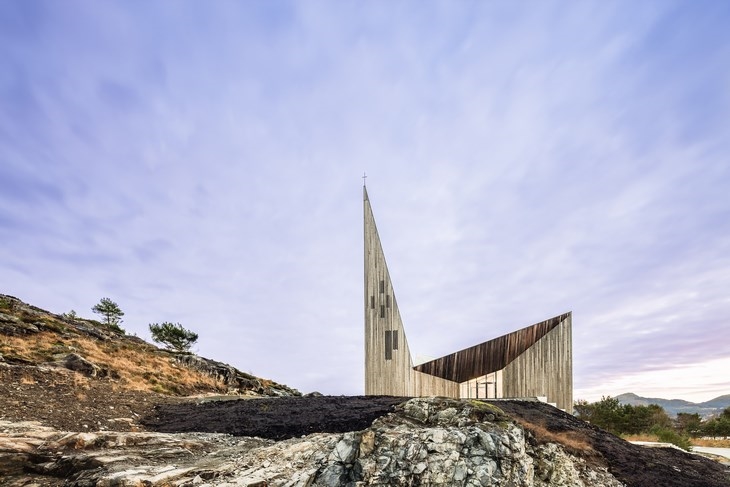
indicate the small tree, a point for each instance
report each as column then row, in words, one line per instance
column 173, row 336
column 689, row 424
column 110, row 311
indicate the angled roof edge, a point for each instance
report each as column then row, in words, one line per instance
column 489, row 356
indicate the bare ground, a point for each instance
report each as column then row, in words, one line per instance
column 67, row 401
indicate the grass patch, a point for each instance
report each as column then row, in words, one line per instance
column 573, row 442
column 710, row 442
column 138, row 368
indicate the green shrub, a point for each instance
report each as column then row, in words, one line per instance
column 667, row 435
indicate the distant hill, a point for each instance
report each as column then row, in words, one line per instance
column 705, row 409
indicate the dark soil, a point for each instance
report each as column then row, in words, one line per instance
column 273, row 418
column 63, row 400
column 282, row 418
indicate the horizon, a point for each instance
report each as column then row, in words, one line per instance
column 202, row 164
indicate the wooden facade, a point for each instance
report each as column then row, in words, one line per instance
column 535, row 361
column 388, row 365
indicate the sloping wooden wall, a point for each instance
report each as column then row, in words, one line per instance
column 388, row 364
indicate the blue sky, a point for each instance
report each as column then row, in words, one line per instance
column 200, row 162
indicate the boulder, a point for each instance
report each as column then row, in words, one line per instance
column 77, row 363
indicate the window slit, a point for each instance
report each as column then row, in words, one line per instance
column 388, row 345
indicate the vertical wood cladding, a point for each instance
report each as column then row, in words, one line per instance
column 545, row 368
column 388, row 365
column 534, row 361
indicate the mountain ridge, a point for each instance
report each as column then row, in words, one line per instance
column 705, row 409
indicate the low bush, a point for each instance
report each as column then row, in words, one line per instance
column 668, row 435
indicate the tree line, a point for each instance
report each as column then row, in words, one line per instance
column 626, row 419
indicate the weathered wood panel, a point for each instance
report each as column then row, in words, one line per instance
column 388, row 364
column 544, row 369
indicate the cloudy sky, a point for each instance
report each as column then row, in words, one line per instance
column 201, row 162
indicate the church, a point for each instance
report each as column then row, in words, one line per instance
column 532, row 362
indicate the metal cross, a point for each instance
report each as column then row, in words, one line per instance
column 364, row 177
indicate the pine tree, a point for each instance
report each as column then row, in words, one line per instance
column 110, row 311
column 173, row 336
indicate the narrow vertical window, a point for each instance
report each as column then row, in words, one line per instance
column 382, row 286
column 395, row 339
column 382, row 311
column 372, row 302
column 387, row 300
column 388, row 345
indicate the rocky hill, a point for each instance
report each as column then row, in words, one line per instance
column 706, row 409
column 79, row 374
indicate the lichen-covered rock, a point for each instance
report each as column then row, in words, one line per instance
column 447, row 442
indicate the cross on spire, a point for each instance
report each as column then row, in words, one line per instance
column 364, row 177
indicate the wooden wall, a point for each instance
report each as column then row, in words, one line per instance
column 534, row 361
column 544, row 369
column 389, row 370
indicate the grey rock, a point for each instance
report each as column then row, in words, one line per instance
column 12, row 325
column 77, row 363
column 238, row 382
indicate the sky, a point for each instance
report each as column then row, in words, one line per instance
column 202, row 163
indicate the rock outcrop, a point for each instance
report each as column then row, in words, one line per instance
column 237, row 382
column 424, row 442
